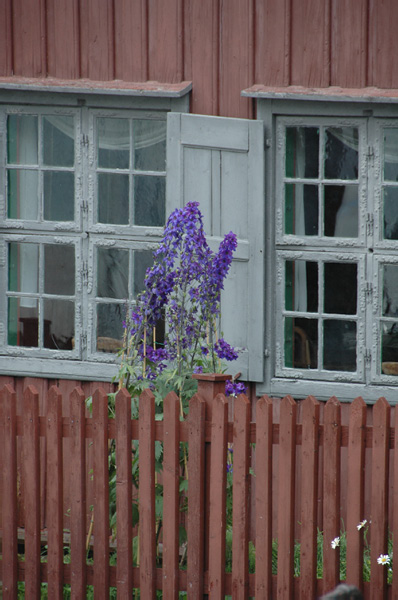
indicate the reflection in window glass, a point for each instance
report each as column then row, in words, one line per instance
column 340, row 345
column 301, row 209
column 143, row 260
column 390, row 154
column 23, row 268
column 59, row 196
column 390, row 290
column 113, row 198
column 113, row 143
column 22, row 194
column 58, row 141
column 110, row 318
column 302, row 152
column 149, row 200
column 389, row 348
column 112, row 272
column 22, row 139
column 390, row 213
column 23, row 322
column 301, row 343
column 149, row 139
column 301, row 285
column 59, row 324
column 59, row 269
column 340, row 295
column 341, row 210
column 341, row 153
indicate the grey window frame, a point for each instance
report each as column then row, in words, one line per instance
column 83, row 362
column 272, row 108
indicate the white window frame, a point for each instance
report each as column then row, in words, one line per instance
column 83, row 361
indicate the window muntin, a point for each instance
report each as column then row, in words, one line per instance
column 69, row 280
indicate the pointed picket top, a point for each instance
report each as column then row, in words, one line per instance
column 146, row 396
column 122, row 396
column 31, row 393
column 171, row 399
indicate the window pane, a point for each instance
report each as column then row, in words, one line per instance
column 59, row 324
column 22, row 140
column 391, row 154
column 149, row 200
column 341, row 210
column 112, row 272
column 59, row 141
column 390, row 290
column 113, row 198
column 149, row 145
column 22, row 195
column 23, row 269
column 302, row 152
column 390, row 213
column 59, row 196
column 341, row 153
column 59, row 269
column 301, row 285
column 23, row 322
column 113, row 142
column 110, row 319
column 389, row 348
column 301, row 209
column 143, row 260
column 301, row 343
column 340, row 345
column 340, row 288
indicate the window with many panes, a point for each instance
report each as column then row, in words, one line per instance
column 83, row 206
column 336, row 242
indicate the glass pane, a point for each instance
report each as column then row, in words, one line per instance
column 340, row 345
column 301, row 343
column 110, row 319
column 149, row 200
column 340, row 288
column 22, row 195
column 59, row 269
column 23, row 269
column 22, row 140
column 389, row 348
column 301, row 285
column 341, row 210
column 143, row 260
column 59, row 324
column 341, row 153
column 112, row 272
column 23, row 322
column 149, row 145
column 113, row 140
column 301, row 209
column 59, row 141
column 59, row 196
column 391, row 154
column 113, row 198
column 390, row 290
column 302, row 152
column 390, row 213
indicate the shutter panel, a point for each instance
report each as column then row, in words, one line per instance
column 219, row 162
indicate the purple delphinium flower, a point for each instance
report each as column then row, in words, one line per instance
column 224, row 350
column 234, row 388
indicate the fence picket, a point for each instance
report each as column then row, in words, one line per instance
column 217, row 519
column 331, row 493
column 124, row 565
column 77, row 484
column 287, row 480
column 309, row 497
column 101, row 495
column 54, row 494
column 263, row 491
column 147, row 495
column 196, row 497
column 394, row 499
column 355, row 491
column 9, row 513
column 240, row 506
column 171, row 498
column 31, row 473
column 379, row 496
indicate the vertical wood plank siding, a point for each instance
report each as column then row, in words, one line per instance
column 223, row 47
column 302, row 432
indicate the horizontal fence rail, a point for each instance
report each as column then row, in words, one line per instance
column 240, row 508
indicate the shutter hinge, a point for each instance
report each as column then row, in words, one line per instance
column 85, row 139
column 267, row 143
column 84, row 205
column 371, row 152
column 84, row 273
column 369, row 223
column 83, row 341
column 368, row 291
column 367, row 356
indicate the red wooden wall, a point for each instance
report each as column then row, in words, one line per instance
column 222, row 46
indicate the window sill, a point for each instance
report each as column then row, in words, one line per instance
column 58, row 369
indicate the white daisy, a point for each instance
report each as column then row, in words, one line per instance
column 383, row 559
column 361, row 524
column 334, row 543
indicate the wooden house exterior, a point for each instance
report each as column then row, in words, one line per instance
column 241, row 92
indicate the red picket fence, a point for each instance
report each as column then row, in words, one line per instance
column 266, row 458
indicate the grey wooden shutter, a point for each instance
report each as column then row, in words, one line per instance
column 219, row 162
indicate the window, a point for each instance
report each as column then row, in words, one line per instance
column 336, row 261
column 83, row 192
